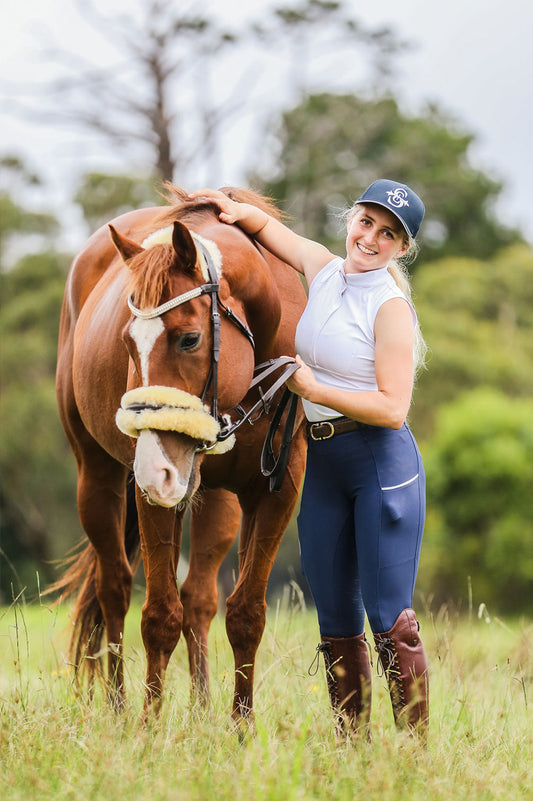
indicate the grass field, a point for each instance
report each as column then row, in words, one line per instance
column 55, row 744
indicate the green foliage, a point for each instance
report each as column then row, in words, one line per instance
column 15, row 219
column 473, row 411
column 480, row 473
column 332, row 146
column 37, row 506
column 477, row 318
column 103, row 196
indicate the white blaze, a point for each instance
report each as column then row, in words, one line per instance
column 145, row 334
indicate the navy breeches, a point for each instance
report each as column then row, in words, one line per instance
column 360, row 527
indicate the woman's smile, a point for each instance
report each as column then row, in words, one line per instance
column 366, row 250
column 386, row 235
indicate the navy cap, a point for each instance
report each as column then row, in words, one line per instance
column 399, row 199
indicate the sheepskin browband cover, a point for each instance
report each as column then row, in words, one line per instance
column 175, row 410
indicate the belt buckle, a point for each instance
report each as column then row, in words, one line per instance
column 326, row 436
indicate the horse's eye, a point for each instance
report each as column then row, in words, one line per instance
column 188, row 341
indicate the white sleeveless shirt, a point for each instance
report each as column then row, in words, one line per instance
column 335, row 334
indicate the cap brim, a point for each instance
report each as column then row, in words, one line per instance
column 362, row 201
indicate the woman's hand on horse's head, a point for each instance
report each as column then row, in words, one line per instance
column 229, row 209
column 248, row 217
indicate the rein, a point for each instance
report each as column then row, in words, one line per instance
column 273, row 468
column 265, row 400
column 134, row 405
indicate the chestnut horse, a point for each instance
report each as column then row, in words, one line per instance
column 162, row 326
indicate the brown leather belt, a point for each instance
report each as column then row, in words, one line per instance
column 328, row 428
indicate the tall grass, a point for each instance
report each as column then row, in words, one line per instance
column 54, row 743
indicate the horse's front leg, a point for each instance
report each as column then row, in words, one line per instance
column 102, row 510
column 265, row 519
column 162, row 613
column 214, row 525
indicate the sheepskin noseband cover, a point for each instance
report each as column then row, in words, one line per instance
column 169, row 409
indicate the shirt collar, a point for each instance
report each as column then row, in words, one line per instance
column 369, row 278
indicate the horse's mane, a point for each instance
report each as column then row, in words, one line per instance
column 181, row 206
column 150, row 269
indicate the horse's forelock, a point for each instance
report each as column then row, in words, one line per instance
column 150, row 270
column 150, row 275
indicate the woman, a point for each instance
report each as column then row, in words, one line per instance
column 363, row 501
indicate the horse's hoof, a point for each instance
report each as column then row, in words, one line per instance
column 243, row 726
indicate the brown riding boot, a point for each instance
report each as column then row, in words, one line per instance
column 349, row 682
column 402, row 657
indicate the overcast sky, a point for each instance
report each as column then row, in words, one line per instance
column 473, row 57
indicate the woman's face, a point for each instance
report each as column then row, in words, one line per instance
column 375, row 236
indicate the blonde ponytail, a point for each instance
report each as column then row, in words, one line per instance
column 398, row 269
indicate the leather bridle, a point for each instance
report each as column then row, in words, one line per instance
column 262, row 407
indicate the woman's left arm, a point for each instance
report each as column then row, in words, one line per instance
column 389, row 404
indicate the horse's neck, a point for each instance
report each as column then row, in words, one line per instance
column 270, row 292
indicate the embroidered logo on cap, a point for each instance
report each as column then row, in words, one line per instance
column 397, row 197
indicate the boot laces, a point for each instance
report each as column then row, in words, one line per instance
column 322, row 648
column 386, row 655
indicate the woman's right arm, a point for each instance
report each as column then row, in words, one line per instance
column 304, row 255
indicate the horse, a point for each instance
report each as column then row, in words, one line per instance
column 166, row 315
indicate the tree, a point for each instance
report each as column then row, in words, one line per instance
column 472, row 414
column 325, row 26
column 129, row 97
column 36, row 469
column 102, row 196
column 38, row 488
column 331, row 146
column 477, row 318
column 480, row 520
column 160, row 96
column 16, row 220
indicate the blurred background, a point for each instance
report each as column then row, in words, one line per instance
column 307, row 101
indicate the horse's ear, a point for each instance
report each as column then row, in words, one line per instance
column 183, row 244
column 126, row 247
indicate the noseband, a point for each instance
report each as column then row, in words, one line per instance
column 165, row 408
